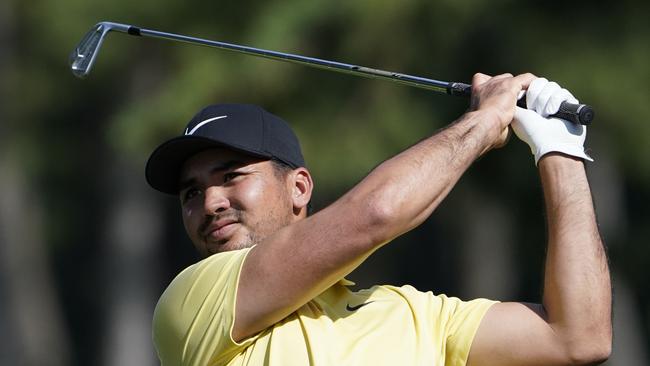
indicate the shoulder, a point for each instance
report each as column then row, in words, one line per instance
column 216, row 273
column 200, row 293
column 222, row 265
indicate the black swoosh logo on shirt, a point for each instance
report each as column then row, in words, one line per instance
column 357, row 307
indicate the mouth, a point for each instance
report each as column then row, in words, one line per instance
column 220, row 231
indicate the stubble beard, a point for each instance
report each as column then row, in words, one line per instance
column 275, row 219
column 265, row 227
column 255, row 232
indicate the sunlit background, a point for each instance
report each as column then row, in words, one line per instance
column 86, row 247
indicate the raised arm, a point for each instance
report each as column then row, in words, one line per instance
column 573, row 327
column 577, row 288
column 573, row 324
column 302, row 260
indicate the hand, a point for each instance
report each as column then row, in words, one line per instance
column 497, row 96
column 543, row 134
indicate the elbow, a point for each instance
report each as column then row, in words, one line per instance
column 383, row 213
column 592, row 353
column 591, row 358
column 379, row 218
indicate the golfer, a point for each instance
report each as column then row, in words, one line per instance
column 271, row 289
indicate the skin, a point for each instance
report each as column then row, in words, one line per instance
column 572, row 326
column 231, row 201
column 573, row 323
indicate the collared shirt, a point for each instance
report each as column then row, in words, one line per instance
column 382, row 325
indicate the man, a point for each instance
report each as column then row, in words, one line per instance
column 271, row 290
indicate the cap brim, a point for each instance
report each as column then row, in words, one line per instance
column 165, row 163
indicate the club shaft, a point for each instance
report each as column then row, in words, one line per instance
column 416, row 81
column 85, row 54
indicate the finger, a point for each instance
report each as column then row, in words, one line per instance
column 571, row 99
column 519, row 115
column 502, row 76
column 554, row 102
column 534, row 89
column 525, row 79
column 527, row 117
column 544, row 96
column 480, row 78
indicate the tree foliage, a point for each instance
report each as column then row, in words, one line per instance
column 81, row 141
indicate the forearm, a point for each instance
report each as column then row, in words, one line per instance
column 301, row 260
column 577, row 288
column 396, row 196
column 403, row 191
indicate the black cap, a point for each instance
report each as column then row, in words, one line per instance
column 241, row 127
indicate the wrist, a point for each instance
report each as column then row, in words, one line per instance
column 493, row 132
column 562, row 176
column 557, row 161
column 570, row 151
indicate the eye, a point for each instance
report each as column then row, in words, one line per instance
column 230, row 176
column 190, row 193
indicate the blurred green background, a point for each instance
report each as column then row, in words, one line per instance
column 86, row 247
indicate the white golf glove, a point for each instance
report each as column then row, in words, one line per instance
column 544, row 134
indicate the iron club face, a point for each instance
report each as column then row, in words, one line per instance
column 84, row 55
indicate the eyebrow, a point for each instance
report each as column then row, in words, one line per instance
column 215, row 169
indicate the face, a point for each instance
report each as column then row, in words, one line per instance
column 231, row 200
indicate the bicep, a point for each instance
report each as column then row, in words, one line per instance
column 513, row 334
column 296, row 264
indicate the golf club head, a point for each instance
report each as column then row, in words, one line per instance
column 83, row 56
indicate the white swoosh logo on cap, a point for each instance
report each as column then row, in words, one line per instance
column 202, row 123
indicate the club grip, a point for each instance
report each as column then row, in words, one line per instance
column 576, row 113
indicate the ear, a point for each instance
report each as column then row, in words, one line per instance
column 301, row 189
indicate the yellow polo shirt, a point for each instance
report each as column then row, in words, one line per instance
column 383, row 325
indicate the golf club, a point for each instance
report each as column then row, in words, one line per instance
column 84, row 55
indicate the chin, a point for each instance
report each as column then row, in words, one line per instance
column 232, row 244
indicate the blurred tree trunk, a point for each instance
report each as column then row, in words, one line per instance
column 132, row 265
column 487, row 247
column 134, row 247
column 629, row 347
column 33, row 331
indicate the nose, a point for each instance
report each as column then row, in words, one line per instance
column 215, row 201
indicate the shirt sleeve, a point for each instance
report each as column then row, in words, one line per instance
column 448, row 323
column 194, row 317
column 462, row 324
